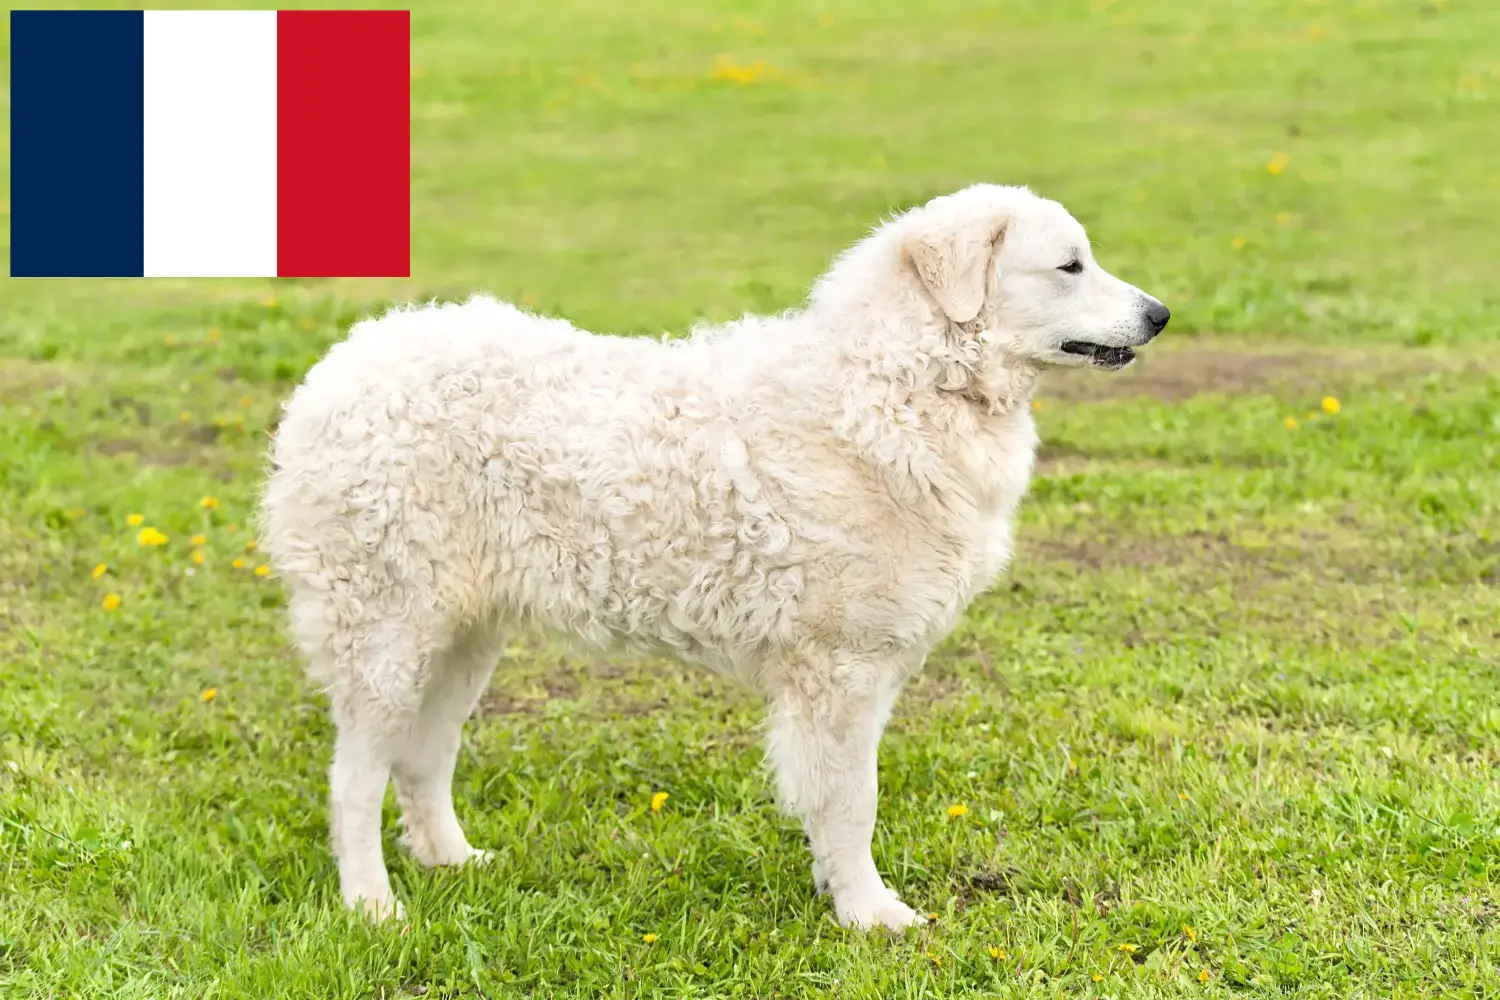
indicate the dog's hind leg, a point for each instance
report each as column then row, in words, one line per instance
column 425, row 757
column 826, row 718
column 380, row 674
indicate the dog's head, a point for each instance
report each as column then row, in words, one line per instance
column 1016, row 270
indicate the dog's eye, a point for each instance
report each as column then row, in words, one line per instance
column 1072, row 266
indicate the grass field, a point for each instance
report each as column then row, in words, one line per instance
column 1230, row 727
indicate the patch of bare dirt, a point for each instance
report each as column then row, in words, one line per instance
column 1173, row 372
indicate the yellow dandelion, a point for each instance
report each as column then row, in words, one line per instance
column 238, row 564
column 1277, row 164
column 1192, row 935
column 932, row 917
column 151, row 538
column 1128, row 949
column 1098, row 978
column 198, row 556
column 649, row 938
column 209, row 503
column 262, row 570
column 184, row 416
column 1183, row 796
column 251, row 545
column 136, row 520
column 1291, row 423
column 1202, row 975
column 956, row 810
column 209, row 694
column 110, row 602
column 1238, row 242
column 936, row 959
column 100, row 570
column 1036, row 406
column 658, row 800
column 997, row 953
column 1330, row 405
column 200, row 539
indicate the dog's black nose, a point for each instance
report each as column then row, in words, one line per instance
column 1156, row 317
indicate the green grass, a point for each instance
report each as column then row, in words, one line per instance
column 1243, row 678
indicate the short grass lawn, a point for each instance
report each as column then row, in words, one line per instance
column 1229, row 727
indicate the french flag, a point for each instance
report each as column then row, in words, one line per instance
column 210, row 144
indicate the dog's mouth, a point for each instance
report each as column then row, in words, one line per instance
column 1109, row 358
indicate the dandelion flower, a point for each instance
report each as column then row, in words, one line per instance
column 238, row 564
column 1330, row 405
column 1036, row 406
column 937, row 960
column 1202, row 975
column 1192, row 935
column 99, row 571
column 209, row 503
column 200, row 539
column 1277, row 164
column 997, row 953
column 1291, row 423
column 1238, row 242
column 658, row 800
column 110, row 602
column 1098, row 978
column 209, row 694
column 1183, row 796
column 932, row 917
column 262, row 570
column 1128, row 949
column 135, row 520
column 198, row 556
column 251, row 545
column 649, row 938
column 957, row 809
column 151, row 538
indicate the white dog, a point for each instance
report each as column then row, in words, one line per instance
column 805, row 502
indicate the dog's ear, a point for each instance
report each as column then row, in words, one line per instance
column 951, row 248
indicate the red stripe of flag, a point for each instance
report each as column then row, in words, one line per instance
column 343, row 136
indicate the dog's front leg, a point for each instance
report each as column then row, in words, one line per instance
column 826, row 717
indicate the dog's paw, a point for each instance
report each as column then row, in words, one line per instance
column 875, row 908
column 379, row 909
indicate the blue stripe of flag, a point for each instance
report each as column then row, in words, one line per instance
column 77, row 143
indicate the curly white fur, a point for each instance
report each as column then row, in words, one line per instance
column 804, row 502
